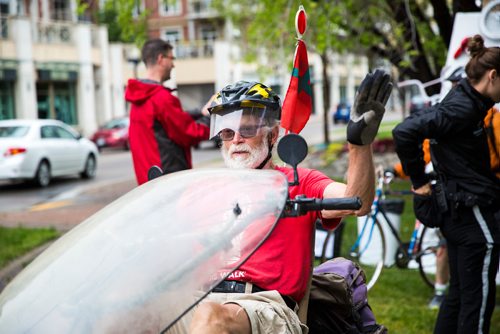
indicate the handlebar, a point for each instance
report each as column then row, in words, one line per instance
column 301, row 205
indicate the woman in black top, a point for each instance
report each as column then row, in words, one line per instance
column 465, row 203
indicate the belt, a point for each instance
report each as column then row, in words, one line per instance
column 239, row 287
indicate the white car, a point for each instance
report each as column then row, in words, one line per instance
column 39, row 150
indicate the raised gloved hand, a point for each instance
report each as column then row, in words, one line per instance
column 369, row 108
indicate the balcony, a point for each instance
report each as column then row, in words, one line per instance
column 198, row 9
column 61, row 14
column 194, row 49
column 53, row 33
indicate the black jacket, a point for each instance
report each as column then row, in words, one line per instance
column 459, row 145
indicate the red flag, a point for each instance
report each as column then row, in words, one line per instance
column 297, row 105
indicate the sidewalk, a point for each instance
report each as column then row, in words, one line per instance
column 65, row 214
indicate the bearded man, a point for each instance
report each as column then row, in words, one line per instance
column 264, row 294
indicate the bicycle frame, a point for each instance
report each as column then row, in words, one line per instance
column 404, row 254
column 415, row 236
column 375, row 209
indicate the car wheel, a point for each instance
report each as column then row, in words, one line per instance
column 90, row 168
column 126, row 147
column 42, row 176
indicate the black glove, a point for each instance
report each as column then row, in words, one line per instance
column 369, row 108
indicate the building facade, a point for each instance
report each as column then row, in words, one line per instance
column 208, row 58
column 54, row 64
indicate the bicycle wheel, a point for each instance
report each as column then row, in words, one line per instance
column 336, row 235
column 369, row 252
column 428, row 244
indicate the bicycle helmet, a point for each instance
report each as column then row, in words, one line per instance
column 241, row 99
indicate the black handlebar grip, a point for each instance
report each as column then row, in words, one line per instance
column 347, row 203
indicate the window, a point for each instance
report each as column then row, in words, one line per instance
column 170, row 7
column 63, row 133
column 200, row 6
column 60, row 10
column 4, row 12
column 65, row 102
column 7, row 110
column 13, row 131
column 57, row 100
column 138, row 8
column 4, row 7
column 173, row 36
column 343, row 93
column 208, row 35
column 48, row 132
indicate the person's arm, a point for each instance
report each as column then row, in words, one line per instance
column 408, row 137
column 180, row 127
column 360, row 182
column 366, row 115
column 438, row 124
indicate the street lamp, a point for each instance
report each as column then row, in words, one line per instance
column 134, row 57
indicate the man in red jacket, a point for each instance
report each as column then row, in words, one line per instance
column 161, row 133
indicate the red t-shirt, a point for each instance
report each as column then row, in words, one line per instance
column 282, row 262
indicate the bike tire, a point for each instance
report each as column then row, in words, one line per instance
column 428, row 244
column 349, row 236
column 337, row 242
column 329, row 235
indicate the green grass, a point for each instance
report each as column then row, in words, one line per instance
column 18, row 241
column 385, row 130
column 399, row 298
column 399, row 301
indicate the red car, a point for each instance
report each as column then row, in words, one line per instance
column 113, row 134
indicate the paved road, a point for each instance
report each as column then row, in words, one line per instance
column 115, row 168
column 70, row 207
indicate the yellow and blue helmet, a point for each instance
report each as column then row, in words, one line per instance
column 241, row 99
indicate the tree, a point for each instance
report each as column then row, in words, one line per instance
column 123, row 25
column 412, row 35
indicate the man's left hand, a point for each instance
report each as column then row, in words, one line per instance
column 369, row 108
column 204, row 110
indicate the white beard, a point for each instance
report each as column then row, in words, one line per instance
column 253, row 160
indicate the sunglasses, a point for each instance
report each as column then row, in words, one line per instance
column 247, row 131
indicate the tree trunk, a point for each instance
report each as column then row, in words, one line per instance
column 326, row 98
column 443, row 19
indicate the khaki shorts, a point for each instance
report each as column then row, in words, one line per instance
column 266, row 310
